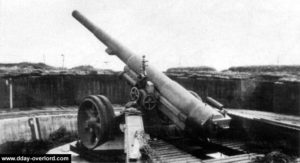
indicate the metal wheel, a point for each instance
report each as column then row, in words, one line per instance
column 148, row 101
column 94, row 121
column 134, row 94
column 110, row 113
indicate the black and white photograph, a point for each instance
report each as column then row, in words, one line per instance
column 140, row 81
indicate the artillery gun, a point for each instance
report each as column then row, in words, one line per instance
column 151, row 90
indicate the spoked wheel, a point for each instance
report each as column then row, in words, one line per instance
column 148, row 101
column 94, row 121
column 134, row 94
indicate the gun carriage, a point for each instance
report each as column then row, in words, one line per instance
column 151, row 90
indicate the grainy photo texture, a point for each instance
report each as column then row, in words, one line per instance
column 150, row 81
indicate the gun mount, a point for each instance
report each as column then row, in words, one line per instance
column 151, row 89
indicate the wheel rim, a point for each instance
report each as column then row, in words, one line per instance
column 95, row 121
column 89, row 124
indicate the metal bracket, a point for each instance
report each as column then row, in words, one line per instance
column 133, row 126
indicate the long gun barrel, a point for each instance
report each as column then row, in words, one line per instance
column 197, row 112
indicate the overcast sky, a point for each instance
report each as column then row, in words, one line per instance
column 216, row 33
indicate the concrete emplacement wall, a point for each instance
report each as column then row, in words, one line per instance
column 33, row 91
column 35, row 127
